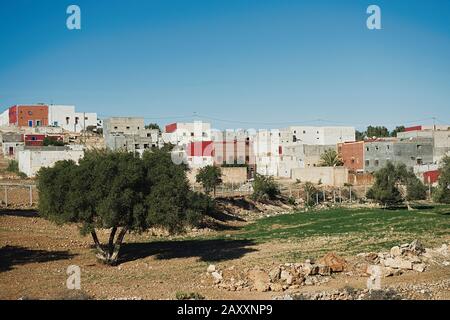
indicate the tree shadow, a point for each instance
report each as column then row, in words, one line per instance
column 19, row 213
column 11, row 256
column 205, row 250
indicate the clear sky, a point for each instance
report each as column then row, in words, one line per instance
column 239, row 63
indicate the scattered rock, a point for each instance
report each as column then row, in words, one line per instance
column 335, row 262
column 420, row 267
column 211, row 268
column 217, row 276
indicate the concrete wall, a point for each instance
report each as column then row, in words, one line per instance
column 352, row 154
column 124, row 125
column 331, row 176
column 31, row 160
column 317, row 135
column 230, row 175
column 411, row 152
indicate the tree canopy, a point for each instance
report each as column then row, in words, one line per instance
column 265, row 188
column 442, row 193
column 395, row 184
column 116, row 190
column 330, row 158
column 210, row 177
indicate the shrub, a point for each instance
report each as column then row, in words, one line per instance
column 264, row 188
column 442, row 193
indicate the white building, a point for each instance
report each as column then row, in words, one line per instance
column 180, row 133
column 267, row 152
column 32, row 159
column 317, row 135
column 4, row 118
column 64, row 116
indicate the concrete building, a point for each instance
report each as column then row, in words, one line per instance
column 267, row 150
column 11, row 142
column 64, row 116
column 296, row 155
column 43, row 115
column 316, row 135
column 32, row 159
column 129, row 134
column 352, row 154
column 411, row 152
column 200, row 154
column 439, row 134
column 181, row 134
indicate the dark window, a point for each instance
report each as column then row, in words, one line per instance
column 377, row 163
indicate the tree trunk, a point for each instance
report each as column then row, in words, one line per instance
column 111, row 255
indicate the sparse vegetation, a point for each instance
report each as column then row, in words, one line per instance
column 180, row 295
column 53, row 142
column 265, row 188
column 442, row 192
column 209, row 177
column 330, row 158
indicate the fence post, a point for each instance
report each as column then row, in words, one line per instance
column 340, row 196
column 350, row 188
column 317, row 198
column 323, row 191
column 6, row 196
column 31, row 196
column 334, row 196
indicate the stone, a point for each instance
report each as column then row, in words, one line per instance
column 217, row 276
column 397, row 263
column 258, row 275
column 211, row 268
column 275, row 274
column 324, row 270
column 335, row 262
column 443, row 250
column 419, row 267
column 416, row 247
column 276, row 287
column 372, row 258
column 396, row 251
column 261, row 286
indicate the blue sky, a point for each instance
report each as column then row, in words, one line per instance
column 238, row 63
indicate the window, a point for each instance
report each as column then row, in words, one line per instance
column 388, row 147
column 138, row 128
column 30, row 123
column 304, row 131
column 419, row 161
column 377, row 163
column 192, row 134
column 38, row 123
column 76, row 120
column 67, row 120
column 128, row 128
column 146, row 146
column 367, row 163
column 115, row 128
column 419, row 147
column 86, row 118
column 376, row 147
column 367, row 148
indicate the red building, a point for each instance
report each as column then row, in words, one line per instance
column 200, row 149
column 352, row 154
column 34, row 139
column 28, row 115
column 431, row 176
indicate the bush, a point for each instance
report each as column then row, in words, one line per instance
column 264, row 188
column 180, row 295
column 210, row 177
column 53, row 142
column 442, row 193
column 310, row 191
column 13, row 166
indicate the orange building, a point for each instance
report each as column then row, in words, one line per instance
column 352, row 154
column 29, row 116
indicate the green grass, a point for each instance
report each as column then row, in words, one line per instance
column 352, row 230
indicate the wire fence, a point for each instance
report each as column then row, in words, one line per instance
column 18, row 195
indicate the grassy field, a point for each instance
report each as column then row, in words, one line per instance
column 352, row 231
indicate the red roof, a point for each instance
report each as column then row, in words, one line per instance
column 415, row 128
column 171, row 127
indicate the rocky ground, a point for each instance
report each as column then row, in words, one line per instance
column 35, row 255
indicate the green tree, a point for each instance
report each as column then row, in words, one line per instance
column 264, row 188
column 442, row 193
column 153, row 126
column 377, row 131
column 359, row 135
column 310, row 190
column 330, row 158
column 209, row 177
column 397, row 130
column 52, row 142
column 395, row 184
column 120, row 192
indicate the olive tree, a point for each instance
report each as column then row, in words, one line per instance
column 395, row 184
column 120, row 192
column 442, row 193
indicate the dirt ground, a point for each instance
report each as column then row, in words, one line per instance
column 35, row 255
